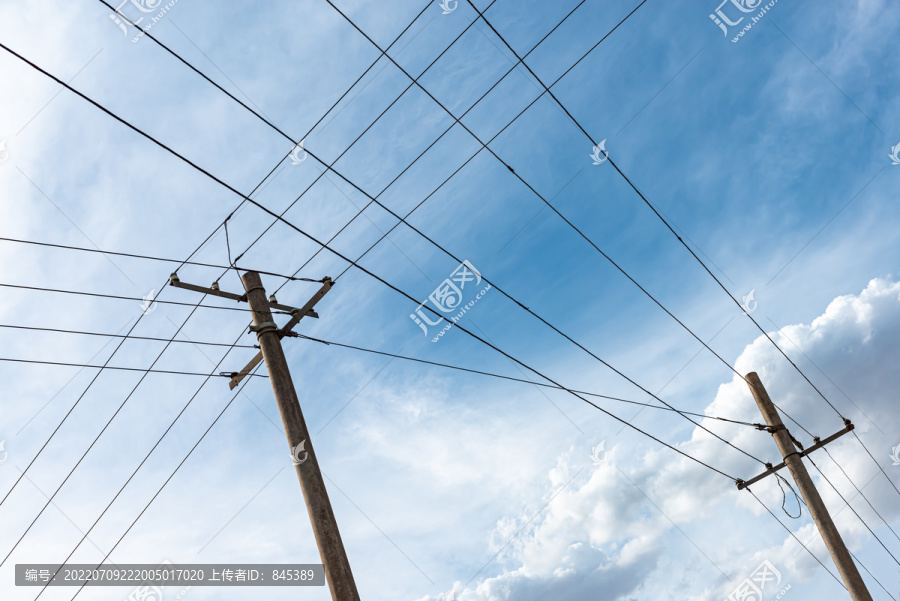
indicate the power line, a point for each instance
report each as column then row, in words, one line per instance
column 860, row 492
column 789, row 531
column 196, row 250
column 118, row 297
column 536, row 193
column 666, row 223
column 514, row 379
column 864, row 566
column 328, row 167
column 126, row 336
column 113, row 367
column 430, row 146
column 372, row 124
column 212, row 234
column 847, row 503
column 148, row 257
column 345, row 258
column 91, row 446
column 891, row 482
column 533, row 190
column 164, row 484
column 143, row 461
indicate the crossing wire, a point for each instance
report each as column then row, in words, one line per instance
column 764, row 332
column 652, row 208
column 119, row 297
column 861, row 493
column 514, row 379
column 855, row 558
column 345, row 258
column 129, row 337
column 72, row 471
column 143, row 461
column 347, row 346
column 432, row 144
column 536, row 193
column 113, row 367
column 847, row 503
column 202, row 244
column 789, row 531
column 359, row 137
column 289, row 278
column 328, row 167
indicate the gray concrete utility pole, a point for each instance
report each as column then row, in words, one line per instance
column 793, row 459
column 328, row 538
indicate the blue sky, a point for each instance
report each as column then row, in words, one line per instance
column 769, row 156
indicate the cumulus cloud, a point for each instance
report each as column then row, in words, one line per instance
column 604, row 528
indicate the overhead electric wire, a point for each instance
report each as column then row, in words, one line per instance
column 514, row 379
column 847, row 503
column 148, row 257
column 91, row 446
column 551, row 380
column 112, row 367
column 347, row 346
column 789, row 531
column 328, row 167
column 118, row 297
column 861, row 493
column 855, row 558
column 357, row 139
column 345, row 258
column 129, row 337
column 652, row 208
column 430, row 146
column 166, row 482
column 195, row 251
column 143, row 461
column 891, row 482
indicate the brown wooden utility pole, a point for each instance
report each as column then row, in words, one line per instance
column 793, row 459
column 328, row 538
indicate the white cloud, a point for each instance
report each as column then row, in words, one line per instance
column 599, row 533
